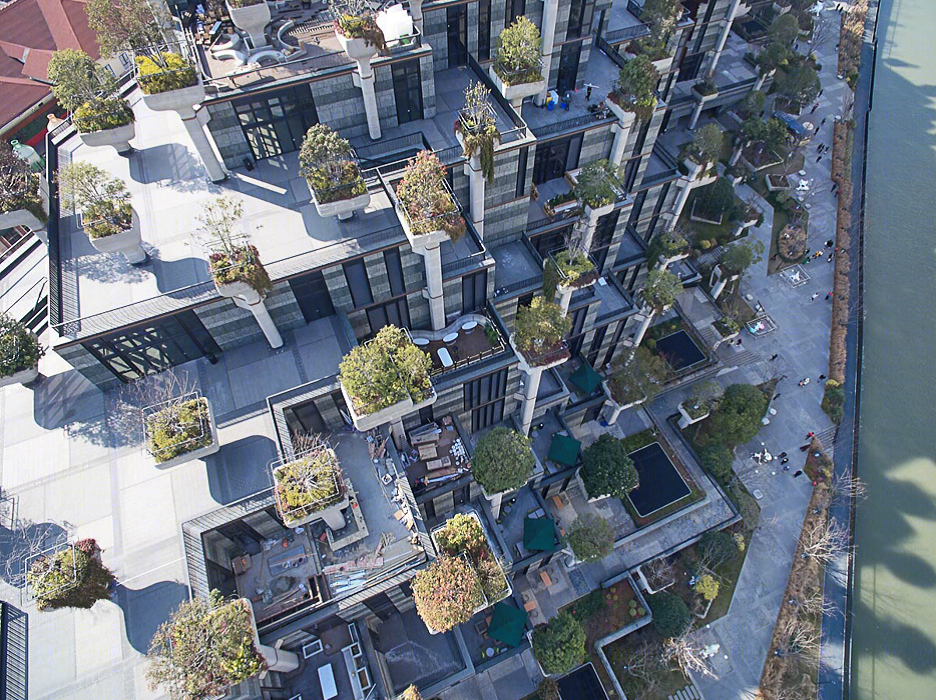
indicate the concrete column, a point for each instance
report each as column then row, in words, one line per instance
column 263, row 318
column 762, row 78
column 591, row 223
column 696, row 113
column 278, row 659
column 548, row 31
column 678, row 206
column 398, row 433
column 476, row 183
column 366, row 72
column 719, row 287
column 194, row 124
column 415, row 8
column 620, row 141
column 496, row 502
column 433, row 260
column 565, row 297
column 644, row 325
column 533, row 376
column 723, row 36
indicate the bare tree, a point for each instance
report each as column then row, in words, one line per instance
column 659, row 573
column 22, row 540
column 823, row 30
column 645, row 661
column 802, row 640
column 687, row 654
column 814, row 602
column 846, row 487
column 823, row 540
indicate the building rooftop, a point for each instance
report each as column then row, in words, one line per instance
column 623, row 23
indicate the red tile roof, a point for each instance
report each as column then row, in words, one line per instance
column 30, row 30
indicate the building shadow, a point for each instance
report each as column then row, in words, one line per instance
column 240, row 468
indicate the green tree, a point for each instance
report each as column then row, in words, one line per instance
column 740, row 256
column 71, row 578
column 739, row 414
column 774, row 56
column 607, row 470
column 559, row 645
column 539, row 327
column 637, row 374
column 636, row 86
column 775, row 133
column 661, row 289
column 707, row 586
column 752, row 104
column 661, row 15
column 503, row 460
column 784, row 30
column 718, row 198
column 76, row 79
column 799, row 83
column 753, row 129
column 707, row 143
column 670, row 614
column 717, row 461
column 446, row 593
column 518, row 58
column 127, row 25
column 590, row 537
column 597, row 183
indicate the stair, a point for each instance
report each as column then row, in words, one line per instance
column 24, row 285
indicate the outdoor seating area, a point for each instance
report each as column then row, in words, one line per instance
column 468, row 341
column 438, row 454
column 334, row 666
column 501, row 629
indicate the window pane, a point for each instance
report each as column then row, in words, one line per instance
column 395, row 271
column 356, row 275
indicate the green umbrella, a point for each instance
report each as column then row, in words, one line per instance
column 507, row 624
column 585, row 378
column 539, row 534
column 564, row 450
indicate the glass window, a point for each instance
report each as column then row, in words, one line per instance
column 568, row 67
column 474, row 291
column 553, row 158
column 484, row 30
column 515, row 8
column 395, row 271
column 359, row 286
column 394, row 313
column 275, row 123
column 580, row 18
column 522, row 171
column 485, row 389
column 407, row 90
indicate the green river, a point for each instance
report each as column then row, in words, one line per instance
column 894, row 634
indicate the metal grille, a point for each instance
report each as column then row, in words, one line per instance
column 14, row 664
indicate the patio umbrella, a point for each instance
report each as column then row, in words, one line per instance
column 539, row 534
column 507, row 624
column 564, row 450
column 585, row 378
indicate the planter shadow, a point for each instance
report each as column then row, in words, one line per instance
column 146, row 608
column 239, row 468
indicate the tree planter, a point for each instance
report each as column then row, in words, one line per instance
column 118, row 137
column 581, row 485
column 515, row 94
column 624, row 116
column 685, row 419
column 559, row 354
column 253, row 19
column 127, row 242
column 330, row 512
column 508, row 588
column 342, row 208
column 181, row 100
column 390, row 414
column 617, row 408
column 24, row 376
column 357, row 48
column 199, row 452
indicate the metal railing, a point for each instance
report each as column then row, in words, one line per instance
column 573, row 123
column 519, row 129
column 52, row 231
column 493, row 351
column 668, row 174
column 626, row 34
column 610, row 52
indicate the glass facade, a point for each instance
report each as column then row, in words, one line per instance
column 275, row 122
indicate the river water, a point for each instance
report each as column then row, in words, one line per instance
column 894, row 633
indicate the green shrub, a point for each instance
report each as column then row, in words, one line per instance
column 517, row 59
column 548, row 690
column 426, row 201
column 539, row 328
column 589, row 605
column 175, row 73
column 717, row 461
column 463, row 534
column 19, row 347
column 739, row 414
column 179, row 428
column 99, row 115
column 671, row 617
column 446, row 593
column 307, row 485
column 575, row 271
column 590, row 537
column 327, row 163
column 107, row 217
column 607, row 470
column 71, row 578
column 503, row 460
column 833, row 400
column 559, row 645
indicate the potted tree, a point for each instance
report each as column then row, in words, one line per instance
column 204, row 648
column 385, row 379
column 21, row 202
column 169, row 82
column 669, row 247
column 476, row 128
column 428, row 206
column 597, row 186
column 538, row 333
column 659, row 293
column 637, row 375
column 108, row 218
column 180, row 429
column 89, row 92
column 591, row 538
column 661, row 16
column 517, row 70
column 252, row 16
column 331, row 169
column 502, row 462
column 447, row 593
column 701, row 154
column 634, row 94
column 698, row 405
column 606, row 469
column 72, row 577
column 357, row 30
column 19, row 352
column 559, row 645
column 464, row 536
column 310, row 487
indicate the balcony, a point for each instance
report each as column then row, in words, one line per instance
column 624, row 24
column 518, row 268
column 470, row 339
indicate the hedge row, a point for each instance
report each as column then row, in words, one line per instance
column 840, row 284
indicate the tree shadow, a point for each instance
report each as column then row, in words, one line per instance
column 146, row 608
column 25, row 540
column 240, row 468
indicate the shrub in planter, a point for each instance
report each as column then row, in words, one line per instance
column 739, row 414
column 463, row 535
column 204, row 648
column 638, row 374
column 705, row 88
column 607, row 470
column 559, row 645
column 307, row 484
column 706, row 144
column 411, row 693
column 833, row 400
column 503, row 460
column 661, row 289
column 164, row 72
column 591, row 537
column 446, row 593
column 104, row 201
column 635, row 90
column 19, row 186
column 100, row 115
column 355, row 20
column 597, row 184
column 71, row 578
column 517, row 59
column 19, row 347
column 232, row 259
column 726, row 326
column 739, row 257
column 88, row 90
column 182, row 426
column 244, row 3
column 328, row 165
column 575, row 268
column 707, row 586
column 670, row 615
column 539, row 328
column 478, row 128
column 385, row 370
column 426, row 201
column 717, row 460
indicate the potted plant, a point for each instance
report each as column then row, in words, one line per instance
column 180, row 429
column 233, row 260
column 607, row 470
column 357, row 30
column 538, row 333
column 559, row 645
column 21, row 203
column 634, row 94
column 447, row 593
column 386, row 378
column 108, row 218
column 575, row 267
column 331, row 169
column 562, row 203
column 704, row 149
column 252, row 16
column 169, row 82
column 669, row 246
column 309, row 487
column 503, row 461
column 476, row 128
column 89, row 92
column 661, row 16
column 428, row 206
column 636, row 376
column 517, row 70
column 72, row 577
column 19, row 352
column 597, row 186
column 204, row 648
column 463, row 535
column 660, row 290
column 698, row 405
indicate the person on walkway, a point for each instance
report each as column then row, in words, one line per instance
column 823, row 121
column 805, row 381
column 813, row 297
column 776, row 396
column 801, row 382
column 806, row 252
column 797, row 473
column 821, row 377
column 831, row 255
column 738, row 342
column 782, row 455
column 818, row 159
column 814, row 108
column 810, row 435
column 829, row 243
column 786, row 468
column 828, row 296
column 774, row 357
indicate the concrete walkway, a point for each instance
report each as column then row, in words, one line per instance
column 802, row 343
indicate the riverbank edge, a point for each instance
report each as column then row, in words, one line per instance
column 835, row 655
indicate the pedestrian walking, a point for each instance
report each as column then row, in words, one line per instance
column 831, row 255
column 774, row 357
column 823, row 121
column 829, row 243
column 828, row 296
column 797, row 473
column 818, row 159
column 814, row 108
column 806, row 381
column 810, row 435
column 821, row 377
column 801, row 382
column 785, row 467
column 813, row 297
column 806, row 252
column 777, row 396
column 738, row 342
column 822, row 90
column 782, row 455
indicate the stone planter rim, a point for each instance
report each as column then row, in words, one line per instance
column 24, row 376
column 109, row 137
column 209, row 449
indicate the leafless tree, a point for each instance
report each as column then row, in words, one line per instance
column 21, row 540
column 822, row 540
column 814, row 602
column 659, row 573
column 803, row 641
column 846, row 487
column 823, row 30
column 645, row 661
column 687, row 654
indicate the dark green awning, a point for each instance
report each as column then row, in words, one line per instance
column 564, row 450
column 507, row 624
column 539, row 534
column 585, row 378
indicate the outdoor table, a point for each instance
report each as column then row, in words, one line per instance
column 450, row 338
column 445, row 357
column 327, row 680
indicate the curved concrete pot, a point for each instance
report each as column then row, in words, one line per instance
column 253, row 19
column 515, row 94
column 342, row 208
column 181, row 100
column 126, row 242
column 685, row 420
column 118, row 137
column 20, row 217
column 24, row 376
column 357, row 48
